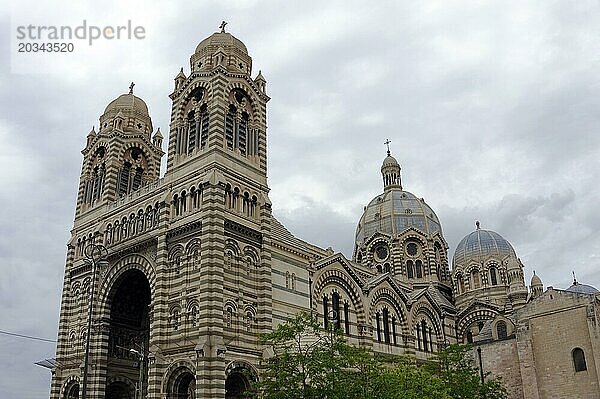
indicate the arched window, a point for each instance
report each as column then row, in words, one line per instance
column 335, row 303
column 230, row 126
column 493, row 276
column 469, row 336
column 325, row 311
column 130, row 174
column 424, row 335
column 347, row 318
column 242, row 133
column 228, row 316
column 203, row 126
column 419, row 268
column 193, row 130
column 475, row 279
column 460, row 283
column 579, row 360
column 409, row 269
column 238, row 132
column 501, row 329
column 386, row 325
column 249, row 320
column 124, row 178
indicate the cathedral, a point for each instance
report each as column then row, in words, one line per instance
column 170, row 280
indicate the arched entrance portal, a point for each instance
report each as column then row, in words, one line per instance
column 128, row 335
column 182, row 385
column 239, row 380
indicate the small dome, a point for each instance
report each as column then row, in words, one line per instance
column 536, row 280
column 481, row 244
column 221, row 39
column 127, row 102
column 582, row 288
column 389, row 161
column 395, row 211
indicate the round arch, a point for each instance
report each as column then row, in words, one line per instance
column 239, row 378
column 386, row 296
column 116, row 271
column 180, row 381
column 476, row 316
column 339, row 279
column 70, row 388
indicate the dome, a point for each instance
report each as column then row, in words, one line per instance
column 481, row 244
column 536, row 280
column 395, row 211
column 389, row 161
column 221, row 39
column 582, row 288
column 127, row 102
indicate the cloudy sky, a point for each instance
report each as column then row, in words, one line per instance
column 492, row 110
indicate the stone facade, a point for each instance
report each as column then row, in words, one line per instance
column 197, row 266
column 538, row 359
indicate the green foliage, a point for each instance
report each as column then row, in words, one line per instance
column 308, row 362
column 454, row 365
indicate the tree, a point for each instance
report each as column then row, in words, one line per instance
column 308, row 362
column 454, row 366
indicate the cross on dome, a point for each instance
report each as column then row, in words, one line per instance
column 387, row 143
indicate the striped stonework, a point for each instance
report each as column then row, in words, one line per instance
column 197, row 266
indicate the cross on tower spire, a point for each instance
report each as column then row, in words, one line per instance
column 387, row 143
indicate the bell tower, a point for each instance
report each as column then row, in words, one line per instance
column 219, row 110
column 218, row 191
column 122, row 155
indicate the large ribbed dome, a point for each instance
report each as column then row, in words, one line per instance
column 582, row 288
column 221, row 39
column 481, row 244
column 127, row 103
column 395, row 211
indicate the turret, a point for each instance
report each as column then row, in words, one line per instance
column 517, row 292
column 537, row 288
column 120, row 157
column 390, row 171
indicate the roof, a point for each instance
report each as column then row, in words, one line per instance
column 221, row 39
column 582, row 288
column 395, row 211
column 127, row 102
column 282, row 234
column 480, row 244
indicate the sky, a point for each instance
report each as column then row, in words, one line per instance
column 492, row 110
